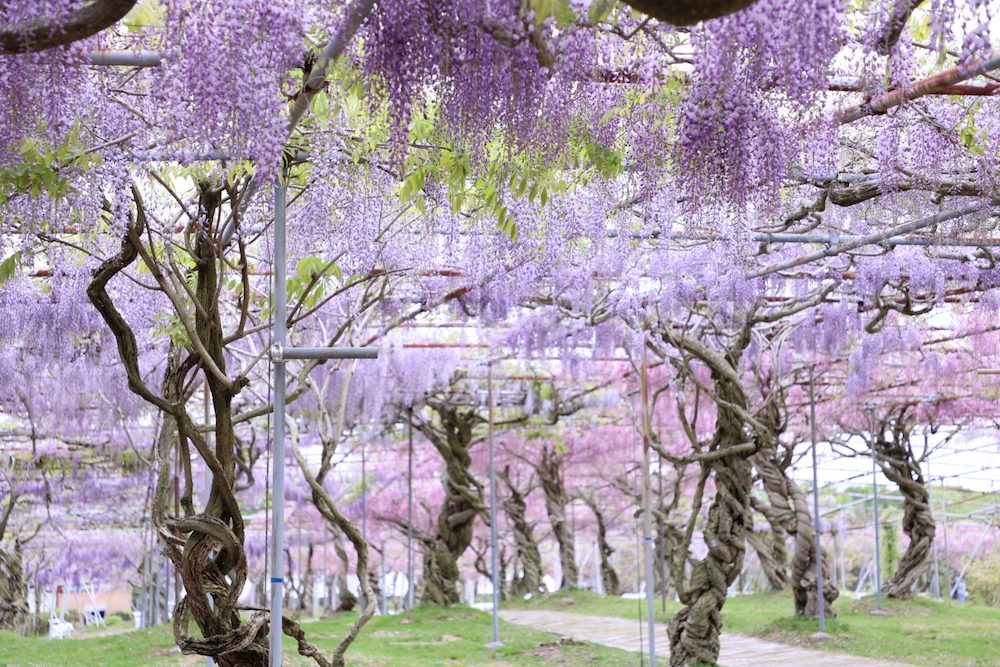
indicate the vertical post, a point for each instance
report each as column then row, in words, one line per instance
column 647, row 528
column 364, row 514
column 936, row 574
column 944, row 520
column 495, row 571
column 878, row 551
column 278, row 471
column 409, row 514
column 820, row 583
column 661, row 561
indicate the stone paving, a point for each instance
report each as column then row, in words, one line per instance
column 737, row 650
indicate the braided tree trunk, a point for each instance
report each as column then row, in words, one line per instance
column 918, row 520
column 694, row 630
column 550, row 474
column 463, row 501
column 789, row 512
column 346, row 600
column 670, row 538
column 207, row 547
column 609, row 578
column 770, row 549
column 13, row 590
column 530, row 579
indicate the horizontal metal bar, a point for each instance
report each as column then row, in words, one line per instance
column 126, row 58
column 980, row 242
column 330, row 353
column 871, row 239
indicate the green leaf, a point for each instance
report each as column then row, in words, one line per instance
column 600, row 10
column 9, row 266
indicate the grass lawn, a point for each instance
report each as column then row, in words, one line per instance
column 920, row 631
column 433, row 637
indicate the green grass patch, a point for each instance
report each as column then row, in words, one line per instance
column 921, row 631
column 430, row 637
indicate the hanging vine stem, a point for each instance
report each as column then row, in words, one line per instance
column 326, row 506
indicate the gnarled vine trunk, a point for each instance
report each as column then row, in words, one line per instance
column 13, row 590
column 769, row 546
column 694, row 630
column 530, row 578
column 346, row 600
column 550, row 475
column 452, row 436
column 205, row 547
column 788, row 512
column 609, row 578
column 899, row 466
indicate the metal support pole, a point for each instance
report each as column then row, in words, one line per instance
column 494, row 569
column 878, row 551
column 409, row 514
column 936, row 574
column 820, row 583
column 661, row 556
column 944, row 522
column 364, row 513
column 647, row 528
column 278, row 471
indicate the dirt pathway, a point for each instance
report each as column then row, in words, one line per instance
column 737, row 650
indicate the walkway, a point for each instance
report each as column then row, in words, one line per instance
column 737, row 650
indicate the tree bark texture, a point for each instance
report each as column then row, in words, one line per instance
column 206, row 548
column 609, row 578
column 788, row 511
column 694, row 630
column 529, row 580
column 45, row 33
column 13, row 590
column 899, row 465
column 688, row 12
column 452, row 435
column 550, row 475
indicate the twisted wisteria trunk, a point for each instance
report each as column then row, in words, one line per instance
column 609, row 578
column 694, row 630
column 918, row 521
column 516, row 508
column 550, row 475
column 452, row 437
column 769, row 546
column 440, row 582
column 346, row 600
column 805, row 586
column 788, row 511
column 205, row 547
column 13, row 590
